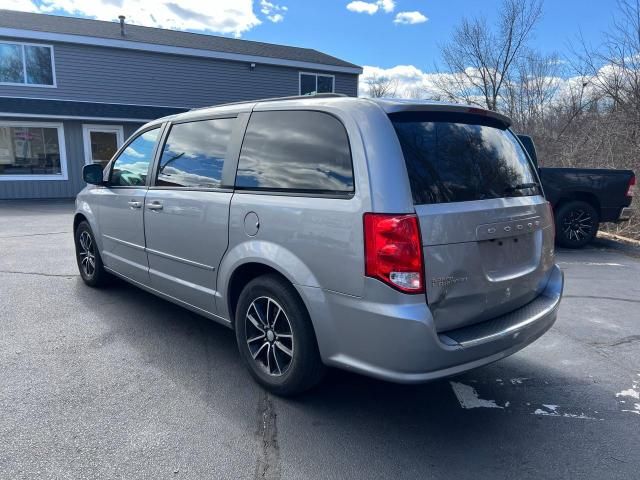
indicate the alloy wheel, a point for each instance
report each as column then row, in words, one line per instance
column 87, row 254
column 577, row 225
column 269, row 336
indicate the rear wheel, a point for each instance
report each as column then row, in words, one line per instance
column 576, row 224
column 88, row 257
column 275, row 337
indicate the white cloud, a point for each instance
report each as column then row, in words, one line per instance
column 21, row 5
column 387, row 5
column 363, row 7
column 274, row 13
column 220, row 16
column 409, row 18
column 359, row 6
column 276, row 17
column 409, row 80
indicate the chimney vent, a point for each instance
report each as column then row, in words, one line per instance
column 121, row 17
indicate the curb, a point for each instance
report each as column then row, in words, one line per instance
column 619, row 238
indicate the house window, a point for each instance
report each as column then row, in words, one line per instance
column 32, row 151
column 311, row 83
column 26, row 64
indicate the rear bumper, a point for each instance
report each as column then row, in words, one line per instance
column 625, row 214
column 616, row 214
column 400, row 343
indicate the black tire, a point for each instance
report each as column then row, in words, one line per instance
column 265, row 356
column 576, row 224
column 88, row 257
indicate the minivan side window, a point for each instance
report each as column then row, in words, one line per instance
column 295, row 151
column 131, row 167
column 194, row 153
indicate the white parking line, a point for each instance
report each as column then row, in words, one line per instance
column 633, row 392
column 552, row 411
column 469, row 398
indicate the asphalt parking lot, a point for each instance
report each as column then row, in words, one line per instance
column 117, row 383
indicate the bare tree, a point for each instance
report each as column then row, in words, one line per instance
column 615, row 66
column 596, row 121
column 529, row 92
column 480, row 59
column 381, row 86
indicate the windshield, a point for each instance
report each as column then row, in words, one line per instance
column 453, row 157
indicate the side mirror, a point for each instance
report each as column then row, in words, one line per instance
column 530, row 147
column 92, row 174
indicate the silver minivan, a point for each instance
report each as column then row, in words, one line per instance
column 403, row 240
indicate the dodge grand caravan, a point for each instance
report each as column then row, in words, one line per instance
column 402, row 240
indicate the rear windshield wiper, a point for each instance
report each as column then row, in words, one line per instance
column 522, row 186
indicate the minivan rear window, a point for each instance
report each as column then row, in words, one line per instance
column 452, row 157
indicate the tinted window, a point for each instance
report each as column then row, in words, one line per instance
column 194, row 154
column 11, row 66
column 296, row 150
column 38, row 62
column 307, row 84
column 315, row 83
column 14, row 57
column 325, row 84
column 131, row 167
column 457, row 158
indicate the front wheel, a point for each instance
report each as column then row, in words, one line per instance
column 275, row 337
column 576, row 224
column 88, row 257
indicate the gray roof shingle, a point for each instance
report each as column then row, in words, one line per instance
column 111, row 30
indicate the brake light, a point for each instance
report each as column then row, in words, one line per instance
column 393, row 251
column 632, row 186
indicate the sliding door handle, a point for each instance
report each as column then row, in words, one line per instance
column 154, row 206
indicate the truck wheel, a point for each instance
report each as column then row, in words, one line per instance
column 275, row 337
column 576, row 224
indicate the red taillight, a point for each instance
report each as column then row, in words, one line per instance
column 632, row 186
column 393, row 251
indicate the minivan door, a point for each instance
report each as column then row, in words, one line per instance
column 120, row 208
column 487, row 231
column 187, row 212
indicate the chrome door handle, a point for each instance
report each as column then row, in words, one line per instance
column 154, row 206
column 134, row 204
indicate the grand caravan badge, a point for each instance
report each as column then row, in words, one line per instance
column 447, row 281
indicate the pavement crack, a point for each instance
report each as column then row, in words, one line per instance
column 39, row 274
column 621, row 341
column 33, row 235
column 629, row 339
column 596, row 297
column 268, row 461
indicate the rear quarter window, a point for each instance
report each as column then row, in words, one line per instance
column 462, row 157
column 295, row 151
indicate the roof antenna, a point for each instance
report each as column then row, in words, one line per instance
column 121, row 17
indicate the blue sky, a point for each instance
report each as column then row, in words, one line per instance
column 375, row 40
column 362, row 38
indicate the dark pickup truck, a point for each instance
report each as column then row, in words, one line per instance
column 584, row 197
